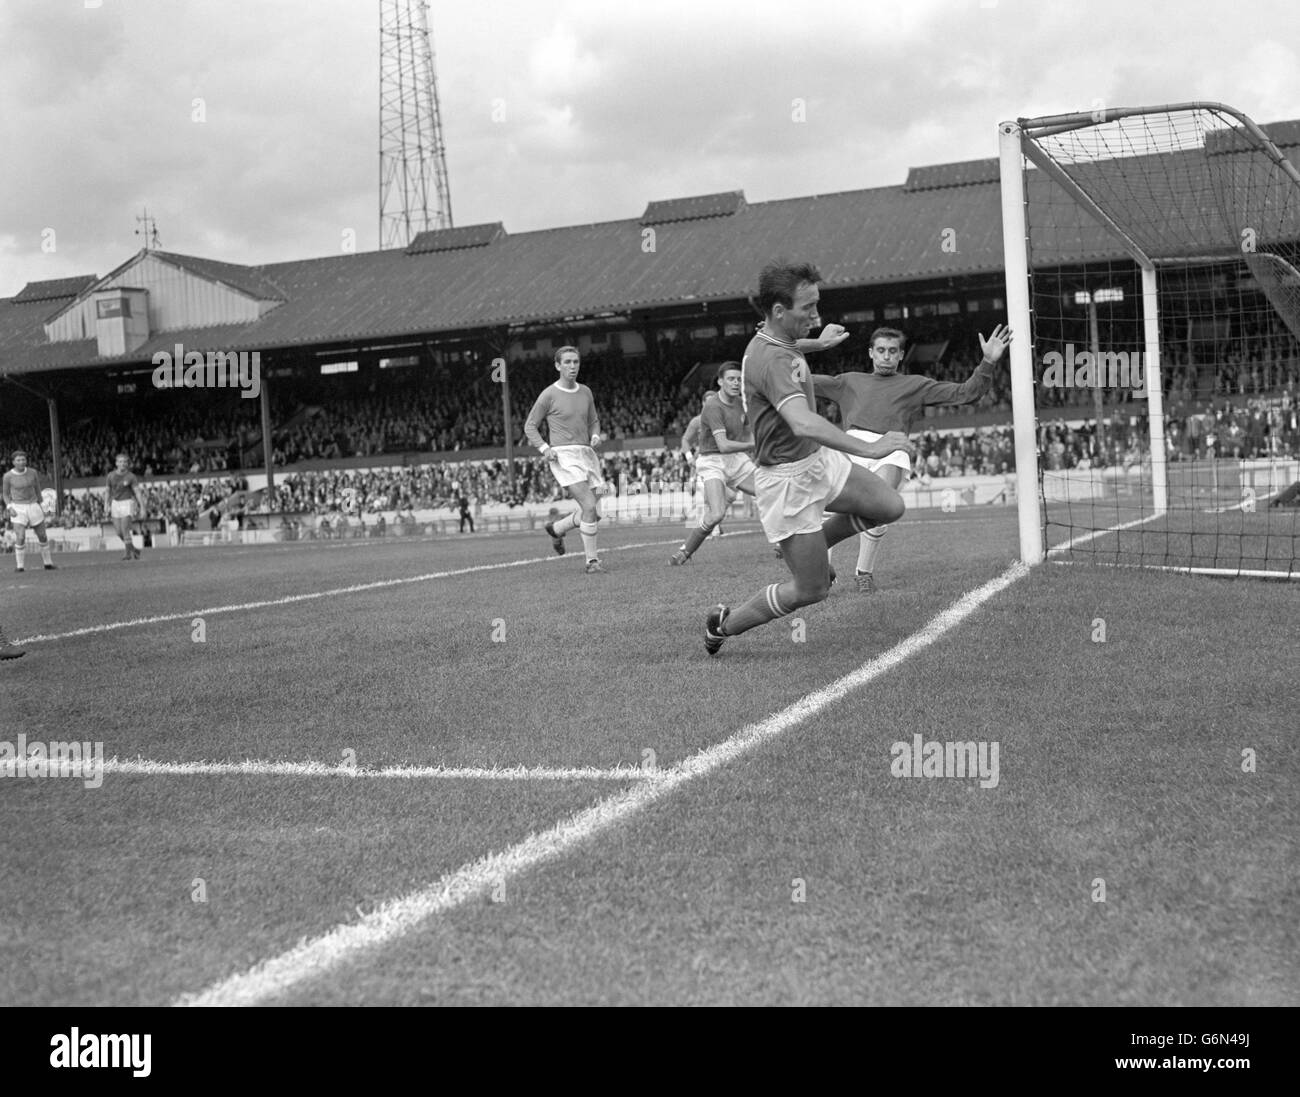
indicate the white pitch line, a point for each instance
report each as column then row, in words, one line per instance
column 289, row 599
column 395, row 918
column 1066, row 546
column 253, row 767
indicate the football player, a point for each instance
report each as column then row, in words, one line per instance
column 872, row 404
column 803, row 470
column 21, row 490
column 724, row 466
column 573, row 430
column 124, row 495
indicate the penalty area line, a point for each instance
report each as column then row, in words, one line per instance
column 395, row 918
column 290, row 599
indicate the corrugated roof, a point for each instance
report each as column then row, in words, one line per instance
column 1283, row 134
column 857, row 238
column 695, row 208
column 252, row 281
column 53, row 289
column 962, row 174
column 467, row 236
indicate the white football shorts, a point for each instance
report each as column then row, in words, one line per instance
column 792, row 498
column 730, row 468
column 29, row 514
column 575, row 464
column 899, row 457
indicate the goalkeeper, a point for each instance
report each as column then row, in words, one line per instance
column 884, row 400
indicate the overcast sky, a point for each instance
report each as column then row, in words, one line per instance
column 555, row 112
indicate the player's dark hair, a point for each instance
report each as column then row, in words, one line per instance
column 887, row 333
column 565, row 350
column 723, row 369
column 779, row 281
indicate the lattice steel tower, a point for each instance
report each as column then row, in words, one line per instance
column 413, row 190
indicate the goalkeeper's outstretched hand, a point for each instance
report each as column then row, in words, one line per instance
column 996, row 344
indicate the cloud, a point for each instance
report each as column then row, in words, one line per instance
column 554, row 112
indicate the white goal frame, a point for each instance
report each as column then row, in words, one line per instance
column 1016, row 144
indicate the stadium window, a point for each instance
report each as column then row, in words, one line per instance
column 735, row 329
column 126, row 387
column 948, row 308
column 895, row 312
column 338, row 367
column 704, row 333
column 861, row 316
column 399, row 363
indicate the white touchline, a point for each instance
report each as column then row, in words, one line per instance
column 255, row 768
column 289, row 599
column 396, row 917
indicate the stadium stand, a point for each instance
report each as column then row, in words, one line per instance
column 386, row 358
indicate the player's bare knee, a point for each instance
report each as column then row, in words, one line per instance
column 894, row 509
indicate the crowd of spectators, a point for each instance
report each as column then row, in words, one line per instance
column 422, row 411
column 1257, row 429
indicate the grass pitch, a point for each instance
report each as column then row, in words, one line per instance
column 1150, row 759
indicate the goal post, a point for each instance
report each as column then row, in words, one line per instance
column 1015, row 240
column 1150, row 257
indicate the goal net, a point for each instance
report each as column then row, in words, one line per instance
column 1152, row 259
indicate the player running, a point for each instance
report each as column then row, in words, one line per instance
column 724, row 465
column 573, row 429
column 124, row 495
column 21, row 490
column 691, row 451
column 872, row 404
column 802, row 468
